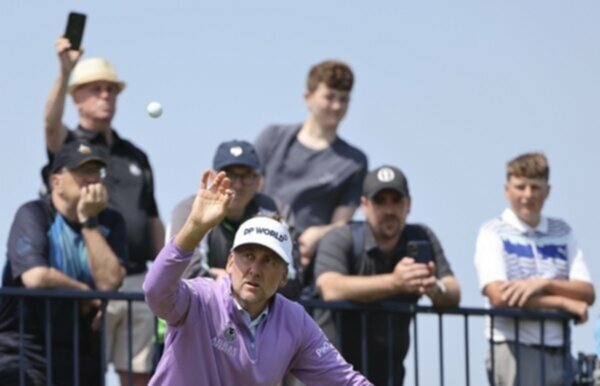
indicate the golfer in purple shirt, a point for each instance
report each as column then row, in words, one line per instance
column 236, row 330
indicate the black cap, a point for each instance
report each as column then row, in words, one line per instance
column 385, row 177
column 73, row 154
column 235, row 153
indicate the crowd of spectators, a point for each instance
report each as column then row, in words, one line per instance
column 96, row 226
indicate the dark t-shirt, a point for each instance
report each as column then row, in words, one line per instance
column 335, row 254
column 309, row 184
column 130, row 186
column 39, row 236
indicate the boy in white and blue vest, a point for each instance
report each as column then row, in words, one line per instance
column 528, row 260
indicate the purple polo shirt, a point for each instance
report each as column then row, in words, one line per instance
column 208, row 342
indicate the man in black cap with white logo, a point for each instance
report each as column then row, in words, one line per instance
column 382, row 258
column 70, row 240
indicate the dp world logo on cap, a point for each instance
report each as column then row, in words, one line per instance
column 385, row 175
column 236, row 151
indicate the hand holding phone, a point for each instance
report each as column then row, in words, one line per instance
column 420, row 251
column 74, row 30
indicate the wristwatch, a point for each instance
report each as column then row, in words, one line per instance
column 441, row 287
column 91, row 222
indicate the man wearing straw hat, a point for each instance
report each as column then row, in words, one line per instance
column 94, row 89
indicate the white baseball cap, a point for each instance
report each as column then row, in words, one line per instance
column 267, row 232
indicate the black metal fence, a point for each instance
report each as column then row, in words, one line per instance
column 415, row 312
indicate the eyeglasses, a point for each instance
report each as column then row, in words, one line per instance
column 244, row 178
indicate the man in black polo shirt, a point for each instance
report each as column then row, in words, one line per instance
column 67, row 240
column 239, row 161
column 381, row 259
column 94, row 88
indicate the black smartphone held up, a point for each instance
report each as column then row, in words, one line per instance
column 74, row 30
column 420, row 250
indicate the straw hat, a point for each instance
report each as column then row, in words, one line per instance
column 93, row 70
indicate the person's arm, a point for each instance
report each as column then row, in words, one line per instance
column 105, row 267
column 573, row 289
column 179, row 215
column 343, row 212
column 157, row 233
column 516, row 292
column 407, row 277
column 445, row 291
column 166, row 294
column 55, row 130
column 445, row 295
column 308, row 240
column 28, row 250
column 495, row 292
column 49, row 277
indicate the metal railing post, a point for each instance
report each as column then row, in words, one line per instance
column 492, row 350
column 129, row 343
column 517, row 351
column 103, row 354
column 416, row 349
column 48, row 328
column 467, row 372
column 75, row 342
column 21, row 343
column 441, row 347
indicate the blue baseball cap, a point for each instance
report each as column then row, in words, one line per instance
column 235, row 153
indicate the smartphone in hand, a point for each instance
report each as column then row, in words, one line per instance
column 74, row 30
column 420, row 250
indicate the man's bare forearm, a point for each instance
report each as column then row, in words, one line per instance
column 55, row 131
column 157, row 231
column 338, row 287
column 450, row 298
column 573, row 289
column 49, row 277
column 104, row 264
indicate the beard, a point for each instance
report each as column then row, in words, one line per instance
column 389, row 228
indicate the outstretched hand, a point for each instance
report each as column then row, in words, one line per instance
column 212, row 200
column 68, row 58
column 208, row 210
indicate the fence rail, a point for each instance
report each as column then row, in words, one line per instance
column 384, row 307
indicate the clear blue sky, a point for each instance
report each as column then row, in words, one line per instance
column 447, row 91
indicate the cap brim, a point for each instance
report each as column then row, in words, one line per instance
column 88, row 160
column 392, row 188
column 73, row 86
column 275, row 249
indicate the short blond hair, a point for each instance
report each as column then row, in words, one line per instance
column 529, row 165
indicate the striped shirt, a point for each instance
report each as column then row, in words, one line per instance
column 508, row 249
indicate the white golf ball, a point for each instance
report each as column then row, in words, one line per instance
column 154, row 109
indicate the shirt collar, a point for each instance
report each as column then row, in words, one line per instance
column 511, row 218
column 94, row 137
column 371, row 243
column 252, row 324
